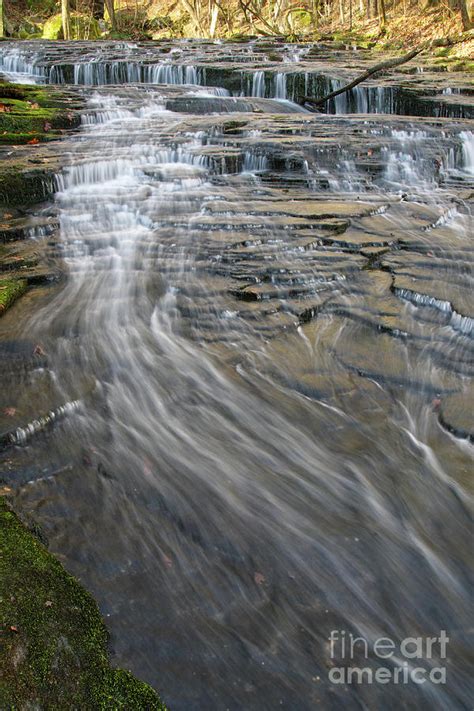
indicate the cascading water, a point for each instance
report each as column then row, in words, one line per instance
column 258, row 84
column 265, row 339
column 467, row 138
column 280, row 86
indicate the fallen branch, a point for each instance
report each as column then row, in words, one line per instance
column 382, row 66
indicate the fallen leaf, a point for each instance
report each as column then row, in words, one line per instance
column 259, row 578
column 13, row 628
column 436, row 402
column 33, row 142
column 10, row 411
column 47, row 126
column 39, row 350
column 5, row 109
column 48, row 603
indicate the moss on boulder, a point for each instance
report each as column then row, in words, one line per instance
column 53, row 642
column 32, row 114
column 10, row 290
column 25, row 186
column 83, row 27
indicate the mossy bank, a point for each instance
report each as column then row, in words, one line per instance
column 30, row 114
column 31, row 118
column 53, row 642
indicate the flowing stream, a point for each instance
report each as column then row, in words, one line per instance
column 262, row 352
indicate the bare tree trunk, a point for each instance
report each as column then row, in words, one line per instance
column 341, row 11
column 1, row 18
column 383, row 15
column 315, row 7
column 213, row 25
column 66, row 18
column 467, row 17
column 193, row 7
column 111, row 12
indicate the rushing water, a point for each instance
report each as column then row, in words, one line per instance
column 249, row 453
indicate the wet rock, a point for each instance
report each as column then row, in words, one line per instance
column 456, row 413
column 201, row 105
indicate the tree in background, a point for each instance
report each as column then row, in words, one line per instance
column 111, row 12
column 66, row 18
column 213, row 18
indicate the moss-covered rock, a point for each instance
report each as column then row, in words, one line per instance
column 83, row 27
column 53, row 28
column 22, row 186
column 10, row 290
column 31, row 114
column 53, row 642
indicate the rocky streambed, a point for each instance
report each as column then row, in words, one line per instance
column 244, row 417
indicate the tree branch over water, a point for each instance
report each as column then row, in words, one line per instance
column 380, row 67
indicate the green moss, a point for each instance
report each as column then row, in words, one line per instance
column 19, row 186
column 30, row 113
column 19, row 139
column 10, row 290
column 462, row 65
column 53, row 28
column 53, row 652
column 82, row 27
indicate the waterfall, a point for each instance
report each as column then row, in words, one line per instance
column 23, row 66
column 467, row 138
column 464, row 324
column 171, row 74
column 280, row 86
column 258, row 84
column 254, row 162
column 100, row 73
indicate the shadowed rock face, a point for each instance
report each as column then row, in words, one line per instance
column 267, row 335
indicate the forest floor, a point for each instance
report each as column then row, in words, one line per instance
column 406, row 27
